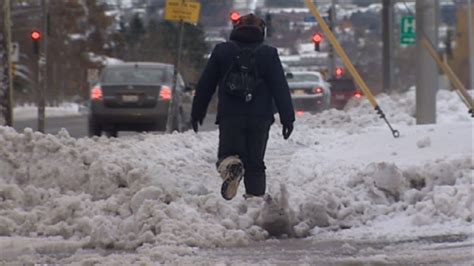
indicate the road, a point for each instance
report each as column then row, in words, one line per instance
column 431, row 250
column 77, row 125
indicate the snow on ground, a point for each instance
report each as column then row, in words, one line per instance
column 155, row 198
column 26, row 112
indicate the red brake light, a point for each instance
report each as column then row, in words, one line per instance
column 299, row 113
column 96, row 93
column 357, row 94
column 318, row 90
column 165, row 93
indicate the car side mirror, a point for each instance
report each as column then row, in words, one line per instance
column 289, row 75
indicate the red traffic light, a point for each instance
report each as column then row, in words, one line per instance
column 317, row 38
column 35, row 35
column 339, row 72
column 234, row 16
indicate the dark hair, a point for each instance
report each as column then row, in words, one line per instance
column 249, row 28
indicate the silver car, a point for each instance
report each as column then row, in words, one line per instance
column 136, row 96
column 309, row 91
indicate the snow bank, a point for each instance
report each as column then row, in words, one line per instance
column 25, row 112
column 158, row 195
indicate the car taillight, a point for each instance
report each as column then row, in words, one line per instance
column 318, row 90
column 299, row 113
column 357, row 94
column 165, row 93
column 96, row 93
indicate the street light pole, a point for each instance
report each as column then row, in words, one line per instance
column 426, row 69
column 43, row 70
column 8, row 91
column 387, row 18
column 174, row 119
column 471, row 43
column 332, row 26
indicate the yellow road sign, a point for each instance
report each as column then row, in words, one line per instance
column 187, row 11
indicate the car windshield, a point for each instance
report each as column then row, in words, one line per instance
column 136, row 75
column 297, row 77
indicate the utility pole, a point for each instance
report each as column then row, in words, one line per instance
column 332, row 27
column 387, row 18
column 471, row 43
column 43, row 69
column 426, row 69
column 6, row 94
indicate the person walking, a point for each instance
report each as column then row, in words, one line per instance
column 251, row 84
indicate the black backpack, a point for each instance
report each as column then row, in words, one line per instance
column 241, row 79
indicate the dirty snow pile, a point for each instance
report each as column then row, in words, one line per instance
column 156, row 197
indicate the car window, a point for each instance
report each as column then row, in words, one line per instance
column 136, row 75
column 298, row 77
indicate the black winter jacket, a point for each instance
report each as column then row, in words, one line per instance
column 274, row 89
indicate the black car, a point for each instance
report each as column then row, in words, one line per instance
column 343, row 89
column 136, row 96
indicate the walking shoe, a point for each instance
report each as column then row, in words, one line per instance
column 231, row 170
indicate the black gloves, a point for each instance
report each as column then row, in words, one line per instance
column 194, row 123
column 287, row 129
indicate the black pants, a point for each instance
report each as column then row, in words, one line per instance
column 246, row 137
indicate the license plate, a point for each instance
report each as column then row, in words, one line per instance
column 130, row 98
column 298, row 92
column 340, row 96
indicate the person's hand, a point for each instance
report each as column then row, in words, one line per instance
column 194, row 123
column 287, row 129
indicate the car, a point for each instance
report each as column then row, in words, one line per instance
column 135, row 96
column 343, row 89
column 309, row 91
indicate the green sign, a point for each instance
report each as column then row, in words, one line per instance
column 408, row 30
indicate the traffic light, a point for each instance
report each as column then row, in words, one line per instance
column 330, row 14
column 339, row 72
column 234, row 16
column 317, row 38
column 35, row 37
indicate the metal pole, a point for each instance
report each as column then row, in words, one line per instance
column 43, row 69
column 9, row 77
column 471, row 43
column 426, row 69
column 173, row 109
column 332, row 27
column 387, row 18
